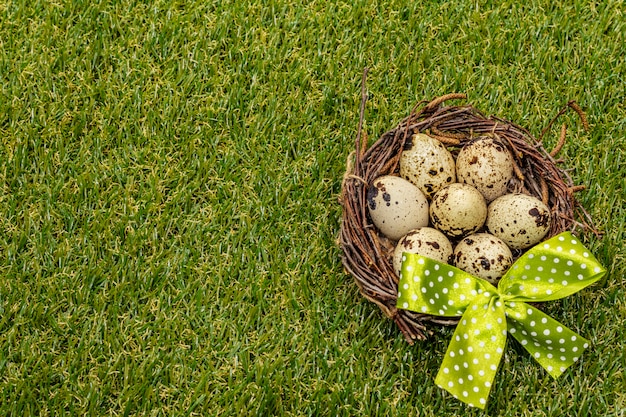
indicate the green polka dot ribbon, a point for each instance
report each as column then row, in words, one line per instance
column 549, row 271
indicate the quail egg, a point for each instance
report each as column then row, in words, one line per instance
column 519, row 220
column 396, row 206
column 424, row 241
column 458, row 210
column 487, row 165
column 484, row 256
column 427, row 163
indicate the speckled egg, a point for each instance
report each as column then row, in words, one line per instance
column 487, row 165
column 427, row 163
column 396, row 206
column 484, row 256
column 424, row 241
column 519, row 220
column 458, row 210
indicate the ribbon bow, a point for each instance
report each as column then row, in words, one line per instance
column 549, row 271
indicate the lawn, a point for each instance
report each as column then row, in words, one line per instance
column 169, row 182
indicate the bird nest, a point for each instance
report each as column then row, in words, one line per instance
column 367, row 254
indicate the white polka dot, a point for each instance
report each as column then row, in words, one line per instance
column 475, row 389
column 446, row 371
column 549, row 355
column 475, row 361
column 477, row 332
column 597, row 269
column 544, row 320
column 437, row 295
column 529, row 311
column 557, row 260
column 481, row 373
column 462, row 297
column 512, row 304
column 452, row 354
column 537, row 278
column 487, row 356
column 567, row 273
column 440, row 278
column 543, row 258
column 465, row 394
column 445, row 291
column 586, row 254
column 551, row 280
column 549, row 292
column 564, row 283
column 416, row 278
column 431, row 284
column 561, row 341
column 583, row 266
column 406, row 286
column 586, row 345
column 461, row 381
column 427, row 272
column 414, row 297
column 524, row 342
column 575, row 358
column 450, row 302
column 466, row 365
column 420, row 261
column 405, row 305
column 546, row 246
column 450, row 384
column 468, row 281
column 537, row 355
column 561, row 238
column 403, row 258
column 575, row 349
column 513, row 330
column 558, row 248
column 493, row 367
column 424, row 309
column 527, row 267
column 450, row 273
column 574, row 242
column 456, row 367
column 424, row 290
column 562, row 369
column 532, row 323
column 546, row 332
column 553, row 270
column 570, row 263
column 550, row 368
column 563, row 358
column 455, row 285
column 482, row 401
column 442, row 312
column 436, row 267
column 559, row 329
column 580, row 276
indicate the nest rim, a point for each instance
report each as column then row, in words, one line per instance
column 365, row 251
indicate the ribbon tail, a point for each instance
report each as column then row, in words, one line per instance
column 554, row 346
column 471, row 360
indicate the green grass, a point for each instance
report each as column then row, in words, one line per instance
column 169, row 176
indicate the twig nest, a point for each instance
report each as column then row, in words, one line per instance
column 424, row 241
column 487, row 165
column 484, row 256
column 396, row 206
column 426, row 162
column 520, row 220
column 458, row 210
